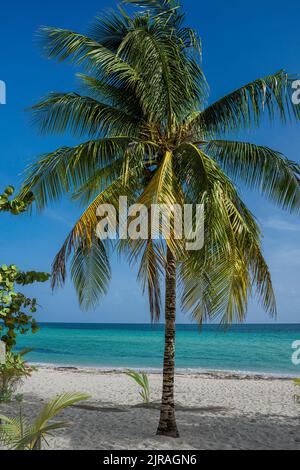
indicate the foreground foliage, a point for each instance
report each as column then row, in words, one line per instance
column 297, row 397
column 142, row 380
column 12, row 372
column 15, row 307
column 15, row 206
column 20, row 434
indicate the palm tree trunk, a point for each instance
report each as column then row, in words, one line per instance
column 167, row 424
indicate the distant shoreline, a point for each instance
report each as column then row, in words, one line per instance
column 161, row 324
column 203, row 373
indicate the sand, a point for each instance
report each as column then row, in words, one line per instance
column 214, row 411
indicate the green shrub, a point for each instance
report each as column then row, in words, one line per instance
column 12, row 372
column 16, row 309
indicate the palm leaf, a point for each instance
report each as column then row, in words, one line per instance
column 110, row 28
column 244, row 107
column 142, row 380
column 217, row 281
column 151, row 268
column 90, row 272
column 83, row 233
column 82, row 115
column 56, row 405
column 83, row 51
column 68, row 169
column 170, row 90
column 19, row 434
column 115, row 96
column 262, row 168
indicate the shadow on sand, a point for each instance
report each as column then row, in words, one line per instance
column 103, row 425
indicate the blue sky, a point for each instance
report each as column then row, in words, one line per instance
column 241, row 41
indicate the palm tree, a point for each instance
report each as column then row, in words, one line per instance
column 151, row 138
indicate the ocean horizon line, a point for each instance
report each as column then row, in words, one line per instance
column 161, row 323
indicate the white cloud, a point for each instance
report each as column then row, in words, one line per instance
column 277, row 223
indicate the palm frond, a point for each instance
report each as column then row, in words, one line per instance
column 98, row 181
column 90, row 273
column 105, row 64
column 110, row 28
column 261, row 168
column 82, row 115
column 142, row 380
column 151, row 269
column 171, row 88
column 158, row 6
column 160, row 189
column 262, row 280
column 83, row 233
column 244, row 108
column 192, row 171
column 83, row 51
column 218, row 280
column 20, row 434
column 11, row 429
column 56, row 405
column 69, row 168
column 115, row 96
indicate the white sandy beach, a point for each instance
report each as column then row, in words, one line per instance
column 214, row 411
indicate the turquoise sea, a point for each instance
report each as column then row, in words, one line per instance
column 250, row 348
